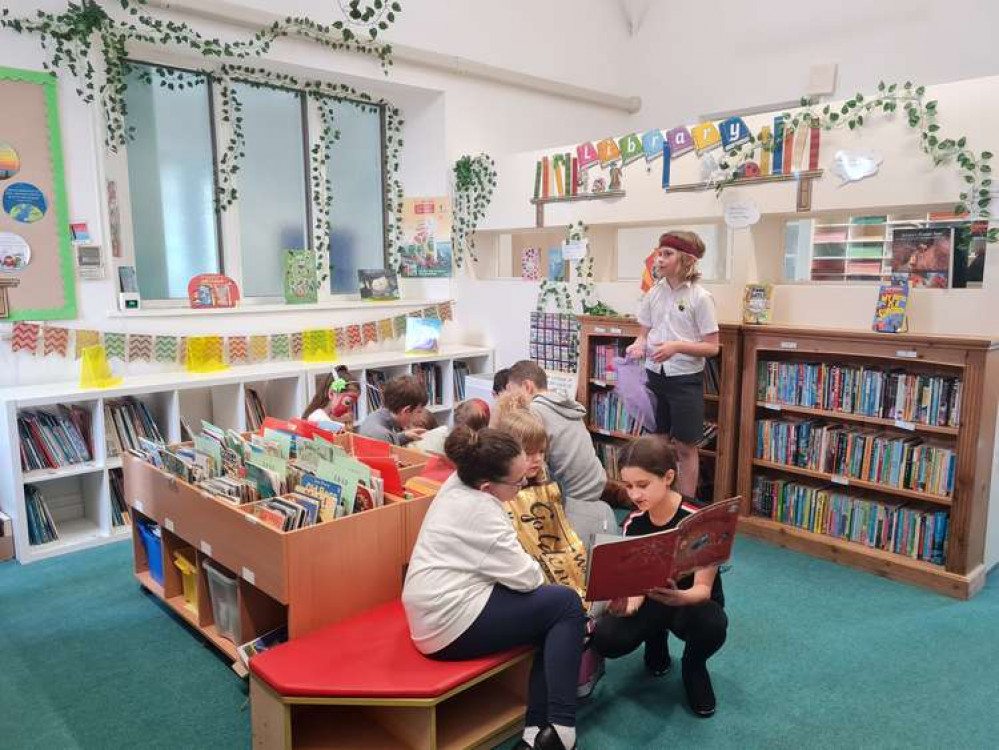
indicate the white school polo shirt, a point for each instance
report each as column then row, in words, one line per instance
column 686, row 313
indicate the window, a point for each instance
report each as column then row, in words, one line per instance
column 933, row 250
column 171, row 184
column 176, row 233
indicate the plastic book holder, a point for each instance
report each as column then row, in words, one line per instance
column 95, row 372
column 318, row 346
column 204, row 354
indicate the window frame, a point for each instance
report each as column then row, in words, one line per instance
column 227, row 222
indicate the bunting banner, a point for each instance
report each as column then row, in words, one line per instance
column 114, row 345
column 369, row 333
column 296, row 345
column 259, row 348
column 353, row 337
column 399, row 326
column 140, row 348
column 238, row 349
column 341, row 340
column 165, row 349
column 25, row 338
column 55, row 341
column 385, row 330
column 86, row 338
column 280, row 346
column 445, row 311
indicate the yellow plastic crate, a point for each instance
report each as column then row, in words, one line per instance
column 185, row 561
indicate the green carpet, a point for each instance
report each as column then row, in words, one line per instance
column 818, row 656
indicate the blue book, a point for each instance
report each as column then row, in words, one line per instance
column 778, row 148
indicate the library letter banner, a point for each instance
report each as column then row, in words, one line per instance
column 36, row 261
column 426, row 237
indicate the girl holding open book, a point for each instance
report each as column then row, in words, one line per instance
column 693, row 608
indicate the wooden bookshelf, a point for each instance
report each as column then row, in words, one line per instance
column 718, row 463
column 973, row 360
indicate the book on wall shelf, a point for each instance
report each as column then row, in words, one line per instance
column 868, row 450
column 604, row 338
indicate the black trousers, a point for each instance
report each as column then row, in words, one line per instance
column 703, row 627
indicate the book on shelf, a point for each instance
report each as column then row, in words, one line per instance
column 431, row 375
column 461, row 373
column 712, row 375
column 901, row 528
column 880, row 392
column 376, row 382
column 255, row 413
column 53, row 440
column 120, row 515
column 258, row 645
column 607, row 412
column 630, row 566
column 41, row 527
column 125, row 421
column 845, row 453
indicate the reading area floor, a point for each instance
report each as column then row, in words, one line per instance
column 818, row 656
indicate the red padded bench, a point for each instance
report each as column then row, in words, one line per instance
column 361, row 683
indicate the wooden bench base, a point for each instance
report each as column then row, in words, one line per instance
column 480, row 713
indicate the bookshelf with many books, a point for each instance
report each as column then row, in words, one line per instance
column 602, row 339
column 81, row 495
column 871, row 450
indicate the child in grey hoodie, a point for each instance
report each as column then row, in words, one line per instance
column 572, row 461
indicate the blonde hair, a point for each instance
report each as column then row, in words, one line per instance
column 507, row 402
column 527, row 428
column 687, row 261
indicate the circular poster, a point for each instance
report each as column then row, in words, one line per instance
column 14, row 252
column 24, row 202
column 10, row 162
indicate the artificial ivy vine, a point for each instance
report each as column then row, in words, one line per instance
column 976, row 168
column 474, row 183
column 69, row 37
column 585, row 289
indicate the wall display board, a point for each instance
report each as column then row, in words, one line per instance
column 34, row 220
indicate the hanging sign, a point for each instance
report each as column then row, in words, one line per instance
column 733, row 132
column 631, row 149
column 608, row 151
column 706, row 137
column 587, row 155
column 679, row 141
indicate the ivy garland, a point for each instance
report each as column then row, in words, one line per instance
column 68, row 37
column 585, row 289
column 474, row 184
column 975, row 200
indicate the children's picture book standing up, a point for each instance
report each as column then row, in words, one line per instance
column 923, row 255
column 757, row 303
column 423, row 336
column 426, row 237
column 377, row 284
column 630, row 566
column 301, row 282
column 891, row 314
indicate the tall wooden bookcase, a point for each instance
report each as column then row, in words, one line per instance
column 974, row 361
column 718, row 464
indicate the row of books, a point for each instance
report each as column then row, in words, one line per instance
column 603, row 360
column 431, row 375
column 870, row 392
column 709, row 436
column 255, row 413
column 41, row 527
column 119, row 508
column 461, row 372
column 376, row 382
column 50, row 440
column 607, row 412
column 893, row 527
column 609, row 453
column 557, row 176
column 125, row 421
column 905, row 463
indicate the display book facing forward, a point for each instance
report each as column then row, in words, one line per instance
column 630, row 566
column 292, row 475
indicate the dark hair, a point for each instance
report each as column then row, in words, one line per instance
column 402, row 391
column 483, row 456
column 652, row 453
column 500, row 380
column 474, row 413
column 423, row 418
column 528, row 370
column 322, row 396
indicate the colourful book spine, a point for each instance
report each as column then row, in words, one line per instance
column 813, row 149
column 666, row 163
column 567, row 164
column 788, row 149
column 537, row 180
column 546, row 182
column 557, row 167
column 778, row 147
column 575, row 175
column 766, row 141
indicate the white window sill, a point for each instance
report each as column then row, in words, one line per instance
column 170, row 312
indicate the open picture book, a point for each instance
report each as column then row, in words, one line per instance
column 630, row 566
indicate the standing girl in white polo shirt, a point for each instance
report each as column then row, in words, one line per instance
column 679, row 329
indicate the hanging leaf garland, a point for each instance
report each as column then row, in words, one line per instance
column 68, row 37
column 322, row 186
column 474, row 184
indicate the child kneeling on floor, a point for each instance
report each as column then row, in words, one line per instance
column 693, row 608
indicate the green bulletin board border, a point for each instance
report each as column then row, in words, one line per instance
column 66, row 264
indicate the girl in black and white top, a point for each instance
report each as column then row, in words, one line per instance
column 693, row 608
column 471, row 589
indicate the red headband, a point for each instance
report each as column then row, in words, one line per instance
column 678, row 243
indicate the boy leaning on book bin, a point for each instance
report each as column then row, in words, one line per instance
column 402, row 397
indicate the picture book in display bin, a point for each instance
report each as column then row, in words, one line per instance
column 630, row 566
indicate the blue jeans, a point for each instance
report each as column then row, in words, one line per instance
column 550, row 618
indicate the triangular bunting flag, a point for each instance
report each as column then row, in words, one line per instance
column 280, row 346
column 631, row 149
column 445, row 311
column 296, row 345
column 342, row 344
column 354, row 337
column 385, row 329
column 56, row 341
column 259, row 348
column 85, row 338
column 114, row 345
column 399, row 326
column 239, row 350
column 431, row 312
column 369, row 333
column 140, row 348
column 165, row 349
column 25, row 338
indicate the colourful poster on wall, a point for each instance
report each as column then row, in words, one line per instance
column 426, row 237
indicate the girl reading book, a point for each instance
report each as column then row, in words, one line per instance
column 693, row 608
column 471, row 589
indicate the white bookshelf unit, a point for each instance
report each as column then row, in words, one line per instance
column 79, row 495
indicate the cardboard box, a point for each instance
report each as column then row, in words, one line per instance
column 6, row 538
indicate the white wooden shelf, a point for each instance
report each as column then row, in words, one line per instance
column 83, row 491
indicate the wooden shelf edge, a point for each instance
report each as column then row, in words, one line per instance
column 605, row 195
column 881, row 563
column 860, row 484
column 848, row 417
column 809, row 174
